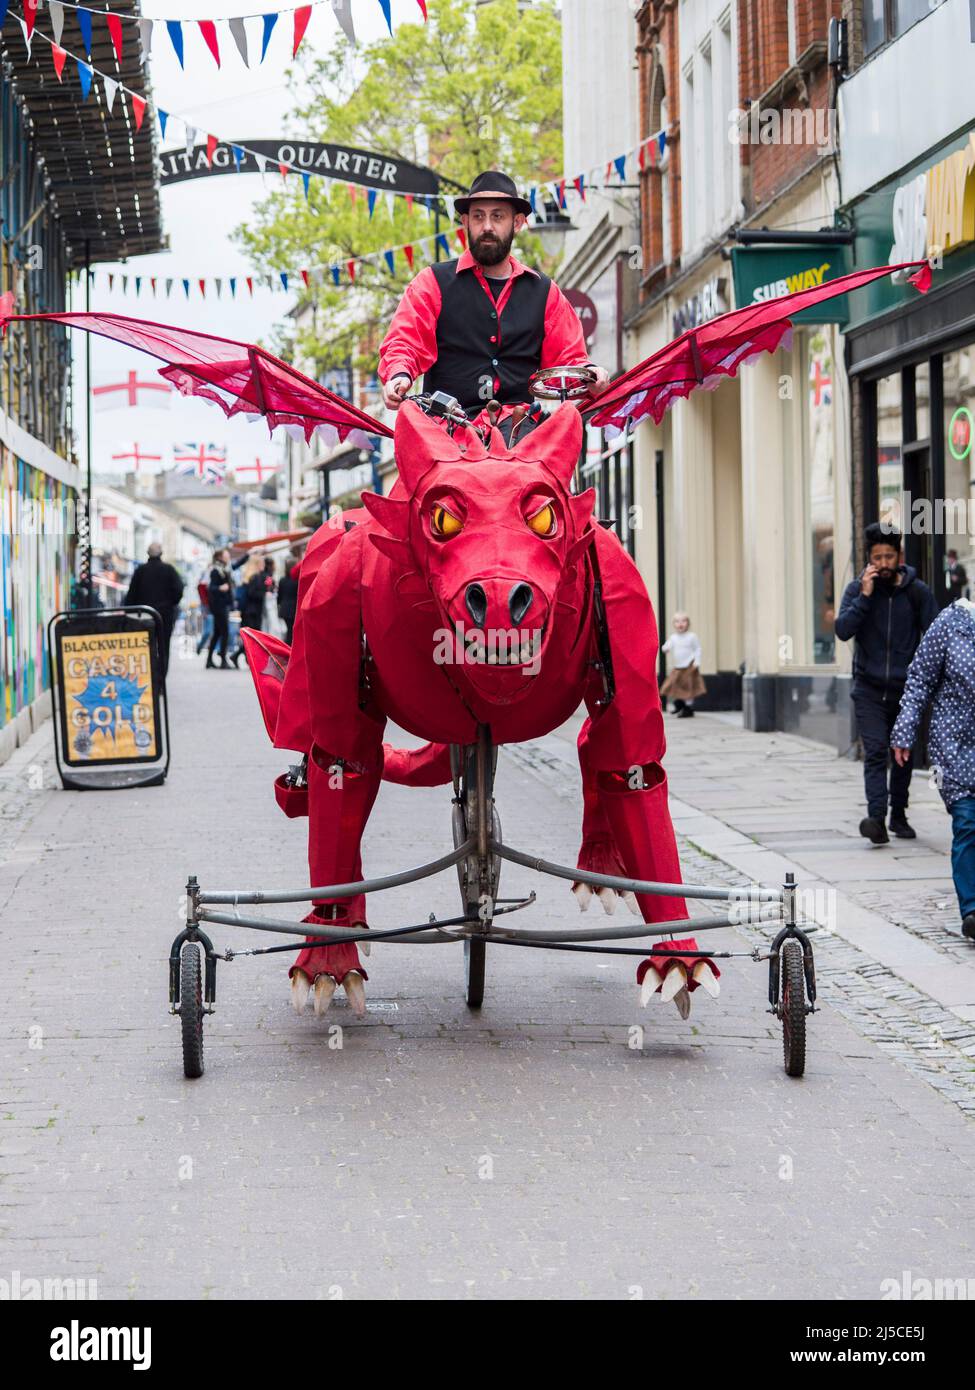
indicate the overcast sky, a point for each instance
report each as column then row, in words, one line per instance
column 199, row 216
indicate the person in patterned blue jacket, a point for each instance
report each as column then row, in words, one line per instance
column 943, row 674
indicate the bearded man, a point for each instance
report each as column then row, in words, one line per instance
column 480, row 326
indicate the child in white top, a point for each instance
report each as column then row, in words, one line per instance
column 684, row 684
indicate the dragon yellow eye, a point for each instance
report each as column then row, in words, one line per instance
column 543, row 522
column 445, row 523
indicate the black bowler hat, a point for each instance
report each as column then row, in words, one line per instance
column 496, row 186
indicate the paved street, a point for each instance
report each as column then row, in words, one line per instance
column 526, row 1151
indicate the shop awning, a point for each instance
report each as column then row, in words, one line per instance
column 102, row 170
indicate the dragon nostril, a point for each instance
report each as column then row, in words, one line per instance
column 475, row 600
column 519, row 601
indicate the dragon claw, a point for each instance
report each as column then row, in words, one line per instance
column 583, row 895
column 324, row 991
column 674, row 980
column 300, row 987
column 355, row 992
column 706, row 978
column 651, row 983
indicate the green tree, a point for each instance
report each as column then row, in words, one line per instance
column 478, row 87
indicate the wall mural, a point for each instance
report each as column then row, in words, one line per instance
column 37, row 515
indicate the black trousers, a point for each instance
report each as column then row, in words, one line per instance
column 221, row 633
column 875, row 718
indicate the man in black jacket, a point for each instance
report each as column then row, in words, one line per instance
column 888, row 610
column 160, row 586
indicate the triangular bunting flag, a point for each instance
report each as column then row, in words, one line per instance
column 163, row 118
column 212, row 143
column 84, row 24
column 371, row 200
column 190, row 137
column 111, row 281
column 408, row 199
column 115, row 31
column 621, row 166
column 28, row 38
column 662, row 142
column 335, row 273
column 580, row 186
column 152, row 282
column 284, row 278
column 56, row 11
column 218, row 284
column 84, row 77
column 532, row 192
column 306, row 180
column 238, row 154
column 269, row 22
column 138, row 286
column 350, row 266
column 111, row 88
column 302, row 16
column 353, row 193
column 239, row 35
column 169, row 285
column 408, row 253
column 343, row 13
column 203, row 288
column 175, row 29
column 58, row 56
column 444, row 244
column 285, row 170
column 304, row 276
column 138, row 109
column 250, row 285
column 384, row 6
column 423, row 9
column 209, row 31
column 462, row 237
column 186, row 288
column 232, row 282
column 388, row 258
column 145, row 37
column 261, row 161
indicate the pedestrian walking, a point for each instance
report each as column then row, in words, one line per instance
column 942, row 674
column 221, row 592
column 288, row 595
column 956, row 577
column 887, row 610
column 160, row 586
column 685, row 683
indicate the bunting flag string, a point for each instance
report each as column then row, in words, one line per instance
column 344, row 270
column 648, row 154
column 342, row 11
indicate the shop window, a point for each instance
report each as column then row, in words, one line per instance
column 890, row 458
column 821, row 491
column 959, row 428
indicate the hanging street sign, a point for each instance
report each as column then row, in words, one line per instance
column 340, row 162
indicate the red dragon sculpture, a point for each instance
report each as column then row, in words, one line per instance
column 401, row 608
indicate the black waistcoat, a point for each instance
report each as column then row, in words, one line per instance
column 469, row 365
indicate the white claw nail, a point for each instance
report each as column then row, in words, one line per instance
column 583, row 895
column 651, row 983
column 324, row 991
column 300, row 986
column 355, row 992
column 632, row 904
column 365, row 947
column 674, row 980
column 707, row 979
column 607, row 896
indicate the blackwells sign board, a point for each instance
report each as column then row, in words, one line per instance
column 340, row 162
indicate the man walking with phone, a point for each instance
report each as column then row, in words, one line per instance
column 887, row 610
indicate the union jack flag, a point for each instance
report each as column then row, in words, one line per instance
column 208, row 462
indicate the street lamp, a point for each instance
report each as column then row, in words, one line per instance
column 552, row 228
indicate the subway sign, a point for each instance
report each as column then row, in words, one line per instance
column 763, row 273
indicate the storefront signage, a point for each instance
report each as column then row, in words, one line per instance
column 934, row 213
column 706, row 304
column 960, row 433
column 763, row 273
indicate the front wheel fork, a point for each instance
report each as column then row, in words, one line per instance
column 808, row 966
column 193, row 934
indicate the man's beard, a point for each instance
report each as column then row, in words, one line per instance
column 490, row 249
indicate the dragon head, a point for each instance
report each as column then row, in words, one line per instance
column 494, row 532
